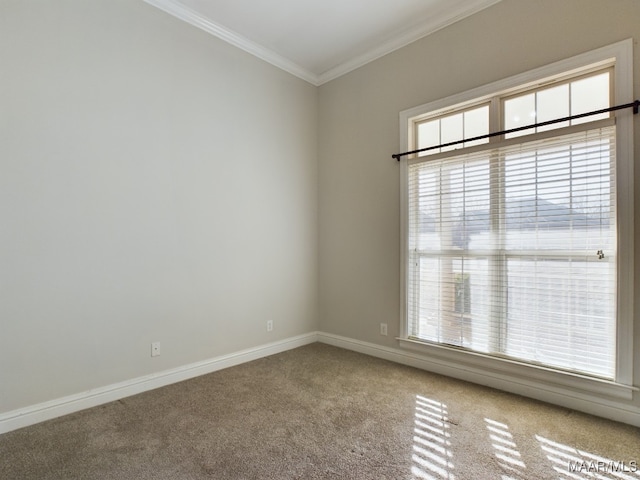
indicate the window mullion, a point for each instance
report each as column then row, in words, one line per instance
column 495, row 118
column 497, row 261
column 414, row 256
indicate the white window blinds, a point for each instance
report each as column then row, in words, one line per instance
column 512, row 250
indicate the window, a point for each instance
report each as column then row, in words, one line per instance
column 513, row 244
column 562, row 99
column 452, row 128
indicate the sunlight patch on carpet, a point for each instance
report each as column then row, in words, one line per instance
column 576, row 464
column 431, row 457
column 506, row 450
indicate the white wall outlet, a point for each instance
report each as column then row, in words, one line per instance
column 269, row 325
column 155, row 349
column 383, row 329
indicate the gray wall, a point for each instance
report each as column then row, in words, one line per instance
column 156, row 184
column 359, row 183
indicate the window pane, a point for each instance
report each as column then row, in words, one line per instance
column 590, row 94
column 452, row 129
column 428, row 136
column 560, row 313
column 476, row 124
column 552, row 103
column 453, row 301
column 519, row 112
column 560, row 198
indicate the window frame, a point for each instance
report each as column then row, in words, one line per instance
column 619, row 57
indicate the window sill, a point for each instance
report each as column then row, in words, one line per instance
column 484, row 369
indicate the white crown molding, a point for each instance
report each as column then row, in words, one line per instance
column 175, row 8
column 438, row 23
column 178, row 10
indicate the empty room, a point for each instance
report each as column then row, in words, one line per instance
column 319, row 239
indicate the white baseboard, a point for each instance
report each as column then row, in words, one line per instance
column 73, row 403
column 610, row 409
column 55, row 408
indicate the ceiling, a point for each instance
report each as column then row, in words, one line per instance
column 319, row 40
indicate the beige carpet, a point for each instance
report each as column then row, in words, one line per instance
column 322, row 412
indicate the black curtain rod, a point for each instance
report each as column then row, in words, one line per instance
column 635, row 105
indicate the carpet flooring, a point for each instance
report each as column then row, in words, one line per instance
column 320, row 412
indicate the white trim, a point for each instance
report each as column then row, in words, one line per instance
column 175, row 8
column 73, row 403
column 425, row 29
column 504, row 367
column 623, row 87
column 558, row 395
column 453, row 15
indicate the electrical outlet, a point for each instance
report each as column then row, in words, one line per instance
column 269, row 325
column 383, row 329
column 155, row 349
